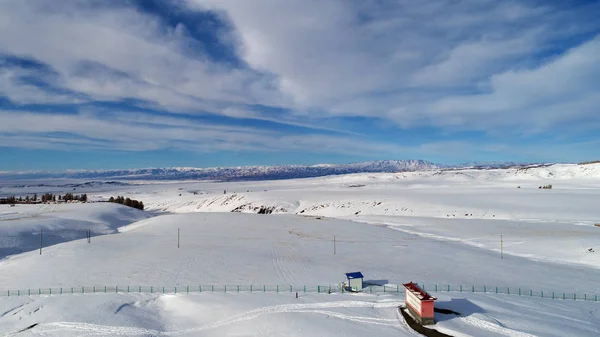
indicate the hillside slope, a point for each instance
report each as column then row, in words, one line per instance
column 21, row 226
column 242, row 249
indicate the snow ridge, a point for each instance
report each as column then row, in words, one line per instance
column 250, row 172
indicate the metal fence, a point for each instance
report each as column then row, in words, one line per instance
column 173, row 289
column 436, row 288
column 319, row 289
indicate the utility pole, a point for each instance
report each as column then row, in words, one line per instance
column 177, row 237
column 334, row 245
column 41, row 241
column 501, row 247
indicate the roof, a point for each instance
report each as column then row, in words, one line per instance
column 356, row 274
column 417, row 291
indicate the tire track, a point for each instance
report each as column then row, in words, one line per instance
column 310, row 308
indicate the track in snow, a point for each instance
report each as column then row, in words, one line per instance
column 311, row 308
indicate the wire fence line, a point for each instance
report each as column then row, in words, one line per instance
column 319, row 289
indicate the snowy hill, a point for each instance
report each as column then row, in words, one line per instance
column 469, row 228
column 242, row 249
column 20, row 226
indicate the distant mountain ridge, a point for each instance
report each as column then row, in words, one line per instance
column 251, row 172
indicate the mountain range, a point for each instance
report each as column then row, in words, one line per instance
column 255, row 172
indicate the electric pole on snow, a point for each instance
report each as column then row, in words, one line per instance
column 41, row 235
column 501, row 247
column 177, row 237
column 334, row 247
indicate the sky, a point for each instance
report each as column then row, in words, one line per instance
column 106, row 84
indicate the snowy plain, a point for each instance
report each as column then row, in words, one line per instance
column 433, row 227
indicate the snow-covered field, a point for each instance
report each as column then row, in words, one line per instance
column 427, row 227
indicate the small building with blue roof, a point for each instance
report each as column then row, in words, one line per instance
column 355, row 280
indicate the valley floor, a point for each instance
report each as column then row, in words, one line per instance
column 392, row 230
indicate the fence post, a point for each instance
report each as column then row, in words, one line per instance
column 519, row 291
column 225, row 288
column 213, row 288
column 448, row 287
column 175, row 290
column 50, row 292
column 290, row 288
column 151, row 289
column 104, row 288
column 116, row 289
column 397, row 289
column 530, row 292
column 496, row 290
column 19, row 292
column 318, row 289
column 542, row 294
column 575, row 296
column 238, row 289
column 277, row 288
column 461, row 288
column 71, row 290
column 29, row 291
column 264, row 288
column 39, row 291
column 564, row 296
column 436, row 288
column 304, row 289
column 371, row 289
column 199, row 288
column 473, row 287
column 8, row 293
column 251, row 288
column 163, row 290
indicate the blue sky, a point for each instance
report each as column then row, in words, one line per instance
column 125, row 84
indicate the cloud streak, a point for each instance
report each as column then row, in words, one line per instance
column 143, row 132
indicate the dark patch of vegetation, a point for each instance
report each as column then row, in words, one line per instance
column 48, row 197
column 265, row 210
column 127, row 202
column 71, row 197
column 545, row 187
column 590, row 162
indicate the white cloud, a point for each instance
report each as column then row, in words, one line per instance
column 562, row 90
column 402, row 60
column 457, row 65
column 21, row 92
column 136, row 57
